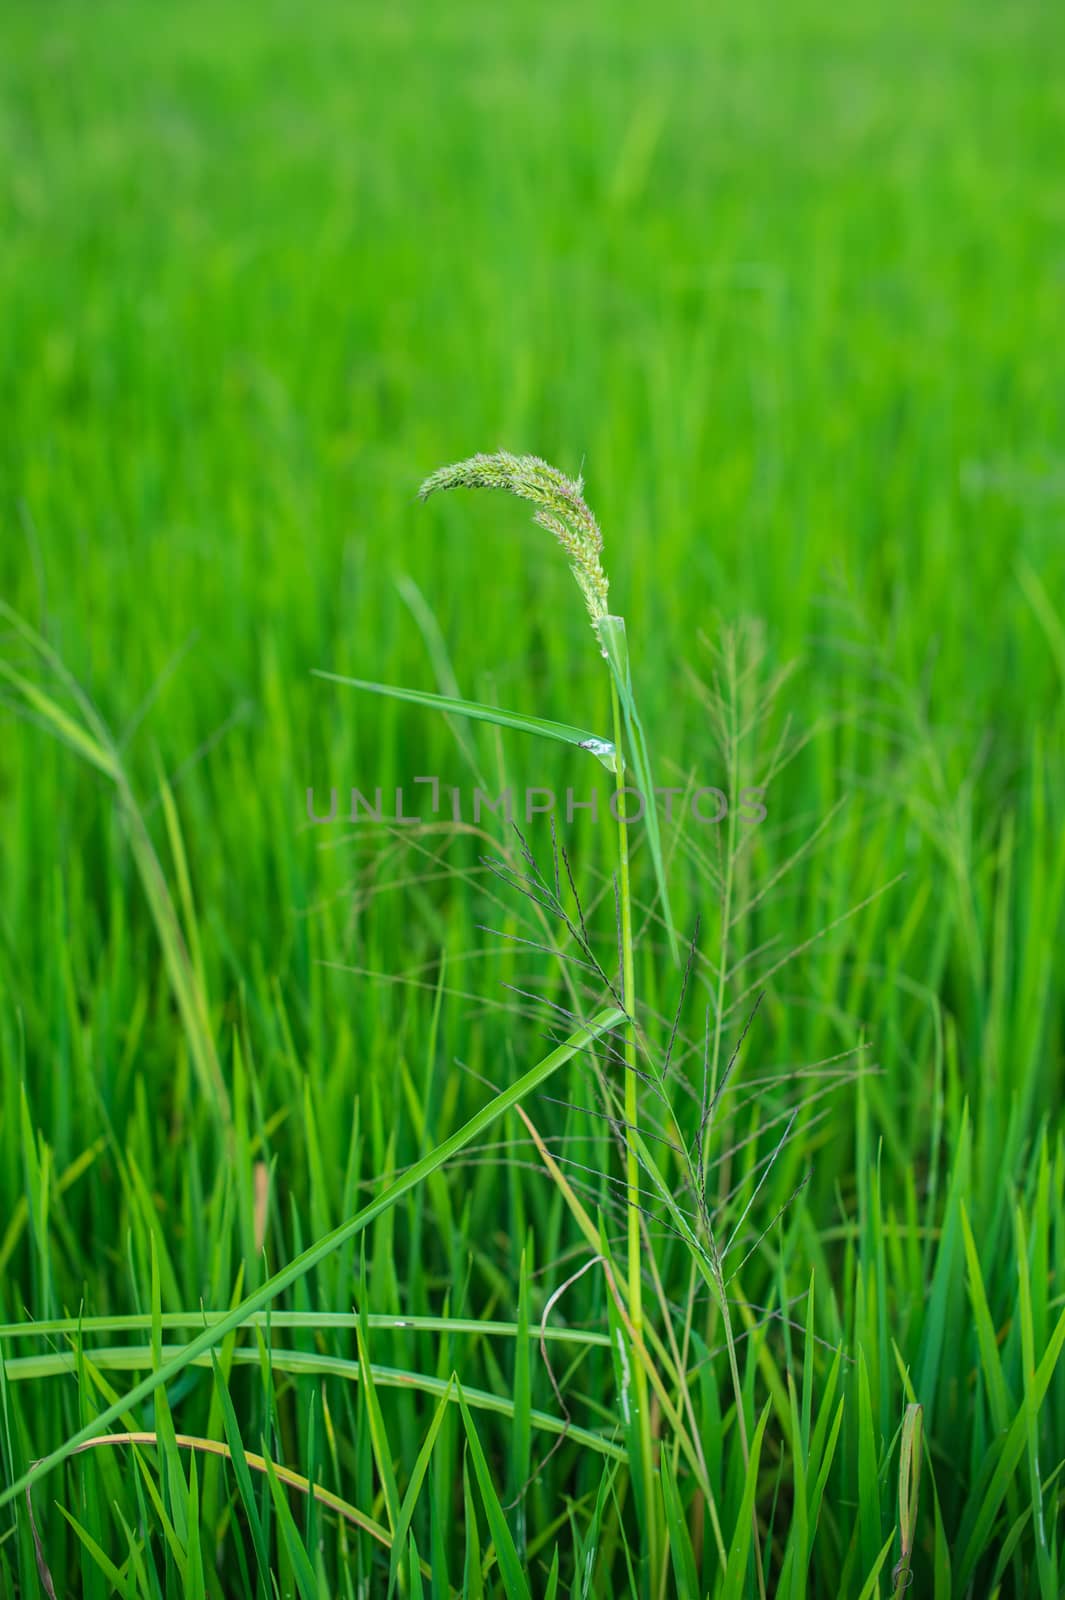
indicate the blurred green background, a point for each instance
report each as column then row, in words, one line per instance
column 788, row 288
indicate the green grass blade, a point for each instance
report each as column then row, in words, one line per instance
column 681, row 1553
column 472, row 1578
column 378, row 1436
column 798, row 1533
column 303, row 1571
column 1009, row 1454
column 417, row 1586
column 194, row 1582
column 520, row 1463
column 868, row 1478
column 121, row 1581
column 474, row 711
column 60, row 722
column 990, row 1359
column 612, row 635
column 242, row 1474
column 414, row 1487
column 510, row 1567
column 1048, row 1586
column 588, row 1549
column 871, row 1587
column 735, row 1585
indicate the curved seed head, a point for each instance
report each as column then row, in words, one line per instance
column 560, row 508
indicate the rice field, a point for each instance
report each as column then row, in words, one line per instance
column 422, row 1172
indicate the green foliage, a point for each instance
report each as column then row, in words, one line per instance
column 283, row 1192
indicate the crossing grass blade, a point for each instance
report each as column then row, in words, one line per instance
column 308, row 1364
column 310, row 1258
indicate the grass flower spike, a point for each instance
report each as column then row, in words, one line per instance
column 561, row 509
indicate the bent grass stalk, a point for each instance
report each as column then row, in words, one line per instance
column 562, row 510
column 214, row 1447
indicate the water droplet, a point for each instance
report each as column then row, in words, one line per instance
column 601, row 748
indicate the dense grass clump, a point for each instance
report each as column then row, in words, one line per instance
column 650, row 1195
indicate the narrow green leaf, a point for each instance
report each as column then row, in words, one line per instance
column 735, row 1585
column 122, row 1581
column 540, row 727
column 1008, row 1455
column 173, row 1475
column 871, row 1587
column 615, row 644
column 414, row 1487
column 472, row 1581
column 378, row 1436
column 510, row 1567
column 521, row 1435
column 798, row 1533
column 414, row 1568
column 999, row 1397
column 243, row 1474
column 680, row 1545
column 868, row 1478
column 1048, row 1585
column 60, row 723
column 194, row 1584
column 302, row 1569
column 589, row 1548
